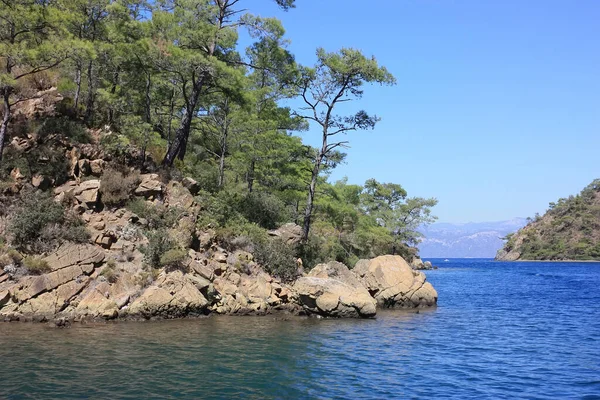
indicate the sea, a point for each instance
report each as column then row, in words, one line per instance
column 502, row 330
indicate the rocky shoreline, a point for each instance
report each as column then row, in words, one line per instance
column 76, row 290
column 107, row 278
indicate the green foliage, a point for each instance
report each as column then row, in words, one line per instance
column 570, row 229
column 73, row 130
column 173, row 259
column 39, row 224
column 277, row 258
column 159, row 243
column 110, row 271
column 36, row 265
column 117, row 186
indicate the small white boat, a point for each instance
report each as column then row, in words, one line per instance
column 446, row 260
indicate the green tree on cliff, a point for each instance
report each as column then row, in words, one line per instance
column 337, row 77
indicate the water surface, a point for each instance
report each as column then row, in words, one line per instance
column 501, row 331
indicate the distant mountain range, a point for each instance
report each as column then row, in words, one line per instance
column 473, row 239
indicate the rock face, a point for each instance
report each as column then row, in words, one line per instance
column 150, row 186
column 393, row 283
column 333, row 298
column 172, row 295
column 290, row 233
column 46, row 295
column 332, row 290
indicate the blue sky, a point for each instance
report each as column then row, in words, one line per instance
column 497, row 107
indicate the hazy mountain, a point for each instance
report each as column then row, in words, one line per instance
column 473, row 239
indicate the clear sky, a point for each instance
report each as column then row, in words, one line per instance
column 497, row 107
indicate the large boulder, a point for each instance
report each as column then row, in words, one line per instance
column 393, row 283
column 87, row 191
column 290, row 233
column 172, row 295
column 333, row 298
column 150, row 186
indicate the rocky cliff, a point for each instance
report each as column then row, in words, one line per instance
column 569, row 230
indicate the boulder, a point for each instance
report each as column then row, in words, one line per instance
column 333, row 298
column 150, row 186
column 191, row 185
column 417, row 263
column 97, row 167
column 178, row 196
column 41, row 182
column 393, row 283
column 84, row 167
column 335, row 270
column 172, row 295
column 290, row 233
column 87, row 191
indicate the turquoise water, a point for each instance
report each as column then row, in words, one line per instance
column 501, row 331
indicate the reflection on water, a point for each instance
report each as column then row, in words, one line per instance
column 500, row 331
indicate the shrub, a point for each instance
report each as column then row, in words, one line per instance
column 277, row 258
column 36, row 212
column 65, row 126
column 173, row 259
column 36, row 266
column 264, row 209
column 109, row 271
column 159, row 243
column 116, row 187
column 158, row 216
column 39, row 224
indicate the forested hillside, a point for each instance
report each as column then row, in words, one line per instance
column 163, row 86
column 570, row 230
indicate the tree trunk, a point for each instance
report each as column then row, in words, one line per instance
column 89, row 107
column 251, row 175
column 312, row 187
column 5, row 118
column 222, row 160
column 148, row 116
column 78, row 83
column 113, row 90
column 178, row 146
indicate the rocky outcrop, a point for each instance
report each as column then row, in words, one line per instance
column 289, row 233
column 46, row 295
column 393, row 283
column 333, row 298
column 419, row 265
column 173, row 295
column 150, row 186
column 332, row 290
column 107, row 278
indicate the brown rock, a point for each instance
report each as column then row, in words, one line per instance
column 191, row 185
column 41, row 182
column 290, row 233
column 84, row 167
column 97, row 167
column 172, row 295
column 334, row 298
column 16, row 174
column 87, row 191
column 392, row 282
column 150, row 186
column 335, row 270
